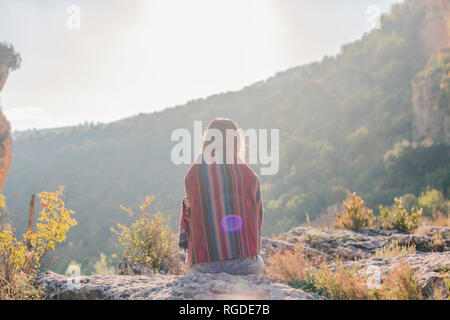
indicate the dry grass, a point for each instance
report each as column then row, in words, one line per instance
column 293, row 266
column 425, row 223
column 342, row 283
column 393, row 250
column 441, row 220
column 288, row 265
column 176, row 265
column 401, row 284
column 442, row 289
column 348, row 284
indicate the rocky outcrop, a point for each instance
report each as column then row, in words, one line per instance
column 431, row 101
column 128, row 268
column 346, row 244
column 5, row 134
column 430, row 268
column 4, row 72
column 431, row 262
column 355, row 248
column 168, row 287
column 434, row 33
column 431, row 105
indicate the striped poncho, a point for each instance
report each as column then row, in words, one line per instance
column 225, row 218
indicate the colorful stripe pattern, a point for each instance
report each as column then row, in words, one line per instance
column 183, row 240
column 221, row 193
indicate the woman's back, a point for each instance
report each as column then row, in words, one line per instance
column 226, row 212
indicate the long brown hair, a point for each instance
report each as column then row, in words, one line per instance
column 224, row 124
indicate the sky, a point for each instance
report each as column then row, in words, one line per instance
column 104, row 60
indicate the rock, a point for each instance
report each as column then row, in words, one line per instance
column 5, row 134
column 269, row 246
column 346, row 244
column 137, row 282
column 156, row 286
column 430, row 107
column 131, row 269
column 430, row 269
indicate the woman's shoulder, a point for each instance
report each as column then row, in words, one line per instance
column 247, row 170
column 191, row 171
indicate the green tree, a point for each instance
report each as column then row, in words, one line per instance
column 9, row 58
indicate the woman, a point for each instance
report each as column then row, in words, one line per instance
column 222, row 214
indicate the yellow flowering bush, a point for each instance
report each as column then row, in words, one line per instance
column 2, row 201
column 20, row 260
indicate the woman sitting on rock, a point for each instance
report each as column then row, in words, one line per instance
column 222, row 214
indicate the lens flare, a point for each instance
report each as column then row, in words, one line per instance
column 231, row 223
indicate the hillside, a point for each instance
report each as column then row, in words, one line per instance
column 338, row 118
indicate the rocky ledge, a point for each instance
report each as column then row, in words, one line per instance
column 354, row 249
column 430, row 268
column 346, row 244
column 195, row 286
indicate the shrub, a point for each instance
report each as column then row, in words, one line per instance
column 9, row 57
column 148, row 241
column 18, row 263
column 398, row 217
column 393, row 250
column 410, row 201
column 355, row 214
column 4, row 215
column 433, row 204
column 308, row 284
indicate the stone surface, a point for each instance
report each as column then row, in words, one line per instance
column 431, row 110
column 430, row 267
column 5, row 135
column 354, row 248
column 195, row 286
column 346, row 244
column 127, row 268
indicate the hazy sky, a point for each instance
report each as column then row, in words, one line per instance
column 132, row 56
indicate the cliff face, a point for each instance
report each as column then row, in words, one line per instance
column 431, row 91
column 435, row 32
column 431, row 103
column 5, row 135
column 3, row 76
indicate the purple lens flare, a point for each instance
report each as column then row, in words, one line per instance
column 231, row 223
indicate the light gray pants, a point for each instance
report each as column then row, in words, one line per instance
column 240, row 266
